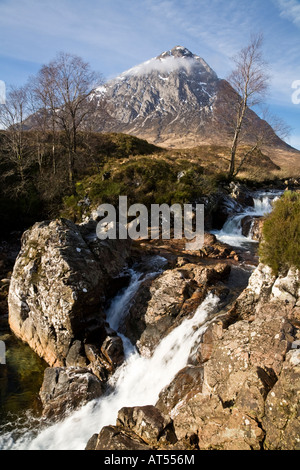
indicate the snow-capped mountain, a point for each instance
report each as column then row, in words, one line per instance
column 173, row 100
column 167, row 98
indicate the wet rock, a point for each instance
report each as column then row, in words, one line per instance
column 252, row 227
column 65, row 389
column 76, row 355
column 148, row 423
column 161, row 304
column 187, row 379
column 241, row 194
column 246, row 224
column 104, row 359
column 213, row 333
column 225, row 207
column 256, row 231
column 112, row 349
column 116, row 438
column 137, row 428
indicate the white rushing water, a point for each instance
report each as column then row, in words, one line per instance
column 231, row 233
column 137, row 382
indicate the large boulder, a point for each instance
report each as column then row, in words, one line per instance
column 266, row 288
column 58, row 287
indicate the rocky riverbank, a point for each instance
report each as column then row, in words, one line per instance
column 63, row 280
column 239, row 388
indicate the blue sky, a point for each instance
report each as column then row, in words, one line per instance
column 115, row 35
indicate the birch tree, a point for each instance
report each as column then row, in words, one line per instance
column 12, row 118
column 66, row 86
column 43, row 109
column 250, row 82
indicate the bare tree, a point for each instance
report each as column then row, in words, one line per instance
column 65, row 87
column 44, row 109
column 249, row 81
column 12, row 116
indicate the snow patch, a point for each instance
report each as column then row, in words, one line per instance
column 100, row 90
column 166, row 65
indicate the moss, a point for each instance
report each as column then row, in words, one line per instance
column 143, row 179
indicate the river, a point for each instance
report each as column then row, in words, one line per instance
column 139, row 380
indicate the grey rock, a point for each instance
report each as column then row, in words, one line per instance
column 65, row 389
column 116, row 438
column 58, row 287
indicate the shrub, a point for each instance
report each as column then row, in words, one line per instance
column 280, row 248
column 143, row 179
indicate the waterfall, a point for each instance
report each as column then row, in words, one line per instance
column 137, row 382
column 263, row 202
column 232, row 231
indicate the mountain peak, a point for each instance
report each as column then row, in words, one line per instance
column 170, row 61
column 168, row 95
column 177, row 51
column 170, row 100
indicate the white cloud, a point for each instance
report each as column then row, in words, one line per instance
column 289, row 9
column 165, row 65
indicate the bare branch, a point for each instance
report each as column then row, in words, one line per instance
column 63, row 88
column 247, row 86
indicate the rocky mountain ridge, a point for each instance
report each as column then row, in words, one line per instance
column 155, row 98
column 171, row 100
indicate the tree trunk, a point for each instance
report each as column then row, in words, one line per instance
column 235, row 139
column 53, row 147
column 71, row 168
